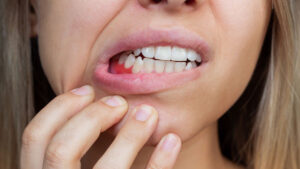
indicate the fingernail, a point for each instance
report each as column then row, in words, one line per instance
column 84, row 90
column 113, row 101
column 169, row 142
column 143, row 113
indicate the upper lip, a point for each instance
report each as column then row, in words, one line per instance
column 156, row 37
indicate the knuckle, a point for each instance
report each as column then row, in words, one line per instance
column 130, row 136
column 93, row 112
column 57, row 153
column 31, row 136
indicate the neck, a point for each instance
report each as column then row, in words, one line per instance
column 200, row 151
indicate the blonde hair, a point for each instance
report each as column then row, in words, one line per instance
column 274, row 105
column 16, row 96
column 277, row 130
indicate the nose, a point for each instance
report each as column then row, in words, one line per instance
column 168, row 4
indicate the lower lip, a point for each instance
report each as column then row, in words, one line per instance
column 142, row 83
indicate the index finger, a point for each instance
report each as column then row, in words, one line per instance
column 39, row 131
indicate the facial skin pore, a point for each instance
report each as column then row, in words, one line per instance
column 72, row 35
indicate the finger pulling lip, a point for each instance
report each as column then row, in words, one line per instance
column 143, row 83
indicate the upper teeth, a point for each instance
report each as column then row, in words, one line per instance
column 168, row 53
column 165, row 57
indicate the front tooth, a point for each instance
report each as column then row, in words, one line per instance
column 148, row 65
column 138, row 65
column 169, row 67
column 129, row 61
column 163, row 53
column 122, row 59
column 179, row 66
column 159, row 66
column 178, row 54
column 137, row 52
column 148, row 52
column 191, row 55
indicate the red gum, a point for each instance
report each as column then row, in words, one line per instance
column 117, row 68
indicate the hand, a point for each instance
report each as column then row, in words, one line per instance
column 63, row 131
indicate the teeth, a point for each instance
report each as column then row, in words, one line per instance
column 178, row 54
column 148, row 52
column 163, row 53
column 138, row 65
column 191, row 55
column 179, row 66
column 159, row 66
column 188, row 66
column 129, row 61
column 169, row 67
column 137, row 52
column 148, row 65
column 169, row 59
column 194, row 65
column 122, row 59
column 168, row 53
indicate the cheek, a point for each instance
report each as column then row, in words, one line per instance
column 66, row 34
column 237, row 45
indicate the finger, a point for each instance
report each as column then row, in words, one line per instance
column 39, row 131
column 165, row 154
column 130, row 139
column 78, row 134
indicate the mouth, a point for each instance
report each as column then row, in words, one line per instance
column 151, row 61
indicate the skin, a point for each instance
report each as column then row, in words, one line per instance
column 75, row 33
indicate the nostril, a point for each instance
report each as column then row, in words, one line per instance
column 190, row 2
column 156, row 1
column 187, row 2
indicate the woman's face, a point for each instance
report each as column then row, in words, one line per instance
column 76, row 39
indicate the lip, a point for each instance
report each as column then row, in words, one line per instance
column 144, row 83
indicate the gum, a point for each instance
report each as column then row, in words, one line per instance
column 116, row 68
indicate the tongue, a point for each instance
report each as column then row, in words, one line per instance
column 116, row 68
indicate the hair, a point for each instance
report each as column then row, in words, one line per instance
column 261, row 130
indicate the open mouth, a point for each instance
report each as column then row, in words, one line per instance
column 150, row 61
column 159, row 59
